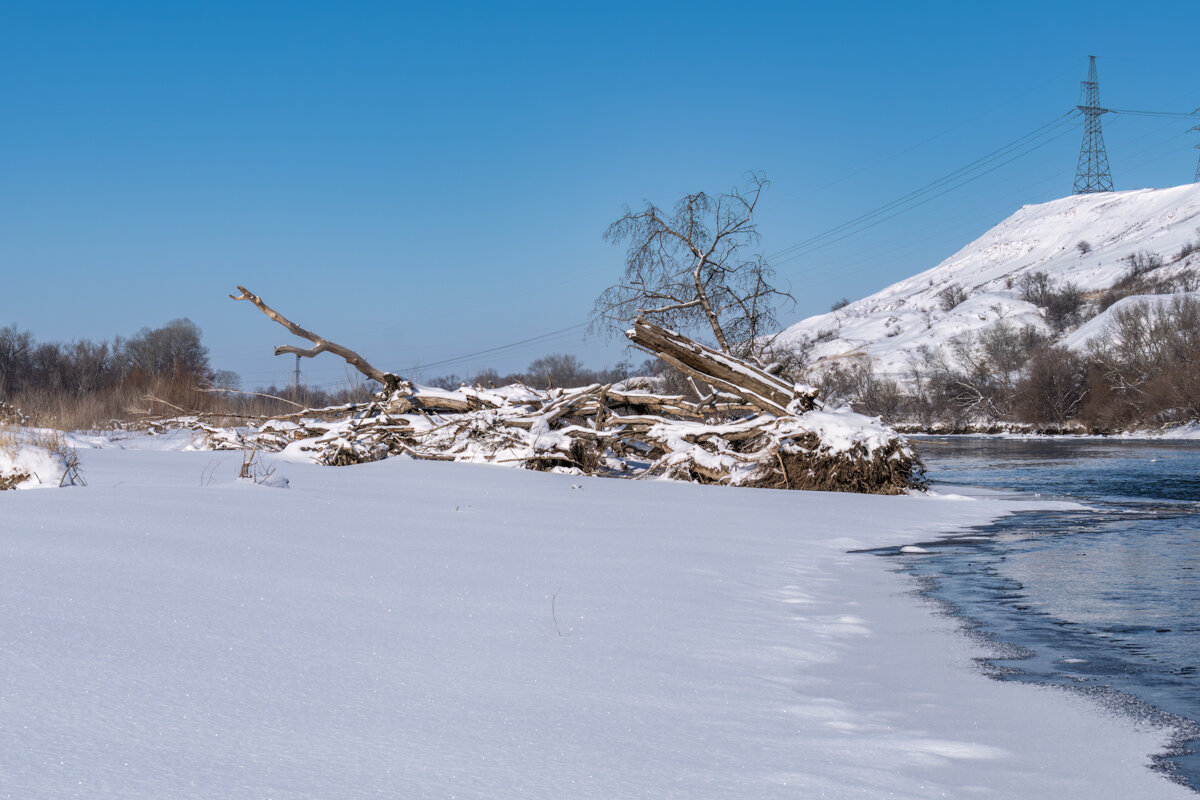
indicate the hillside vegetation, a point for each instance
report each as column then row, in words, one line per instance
column 1078, row 314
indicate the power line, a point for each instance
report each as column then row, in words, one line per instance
column 817, row 245
column 905, row 203
column 896, row 154
column 912, row 200
column 1174, row 114
column 929, row 187
column 493, row 350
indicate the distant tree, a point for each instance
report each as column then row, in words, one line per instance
column 16, row 347
column 690, row 270
column 558, row 370
column 174, row 349
column 845, row 301
column 226, row 379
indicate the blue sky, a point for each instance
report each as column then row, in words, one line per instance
column 423, row 182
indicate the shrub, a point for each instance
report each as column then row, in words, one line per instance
column 1084, row 247
column 1035, row 287
column 845, row 301
column 1053, row 388
column 1061, row 304
column 952, row 296
column 1142, row 369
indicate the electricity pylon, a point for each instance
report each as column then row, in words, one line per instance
column 1092, row 173
column 1197, row 178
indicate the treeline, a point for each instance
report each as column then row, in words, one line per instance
column 1145, row 371
column 162, row 371
column 174, row 350
column 156, row 372
column 82, row 383
column 548, row 372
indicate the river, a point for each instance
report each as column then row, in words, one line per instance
column 1104, row 600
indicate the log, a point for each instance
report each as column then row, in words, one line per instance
column 676, row 405
column 761, row 389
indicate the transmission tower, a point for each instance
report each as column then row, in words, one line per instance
column 1092, row 174
column 1197, row 178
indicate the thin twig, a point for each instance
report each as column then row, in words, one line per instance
column 254, row 394
column 154, row 399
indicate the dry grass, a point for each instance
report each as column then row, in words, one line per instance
column 10, row 444
column 160, row 398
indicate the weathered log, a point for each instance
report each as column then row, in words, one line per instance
column 676, row 405
column 416, row 401
column 761, row 389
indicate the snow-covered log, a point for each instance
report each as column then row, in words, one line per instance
column 763, row 390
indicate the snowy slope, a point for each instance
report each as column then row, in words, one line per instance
column 435, row 630
column 892, row 324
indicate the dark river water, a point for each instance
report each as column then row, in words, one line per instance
column 1105, row 600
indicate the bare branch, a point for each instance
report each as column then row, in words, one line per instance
column 693, row 260
column 389, row 380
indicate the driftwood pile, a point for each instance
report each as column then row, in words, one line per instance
column 750, row 428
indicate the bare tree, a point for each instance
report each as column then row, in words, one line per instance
column 690, row 269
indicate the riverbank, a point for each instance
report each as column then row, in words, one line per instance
column 1186, row 431
column 426, row 629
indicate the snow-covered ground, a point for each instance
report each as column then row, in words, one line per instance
column 891, row 325
column 435, row 630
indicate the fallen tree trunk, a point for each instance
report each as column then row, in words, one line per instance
column 761, row 389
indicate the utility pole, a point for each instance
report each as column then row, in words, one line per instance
column 1092, row 173
column 296, row 378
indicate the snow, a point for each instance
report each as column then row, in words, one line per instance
column 891, row 325
column 393, row 629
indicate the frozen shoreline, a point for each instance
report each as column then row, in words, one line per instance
column 391, row 628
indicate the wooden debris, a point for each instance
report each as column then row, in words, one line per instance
column 752, row 428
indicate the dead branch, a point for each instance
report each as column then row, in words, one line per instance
column 388, row 380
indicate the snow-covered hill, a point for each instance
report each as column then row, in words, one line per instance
column 1085, row 240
